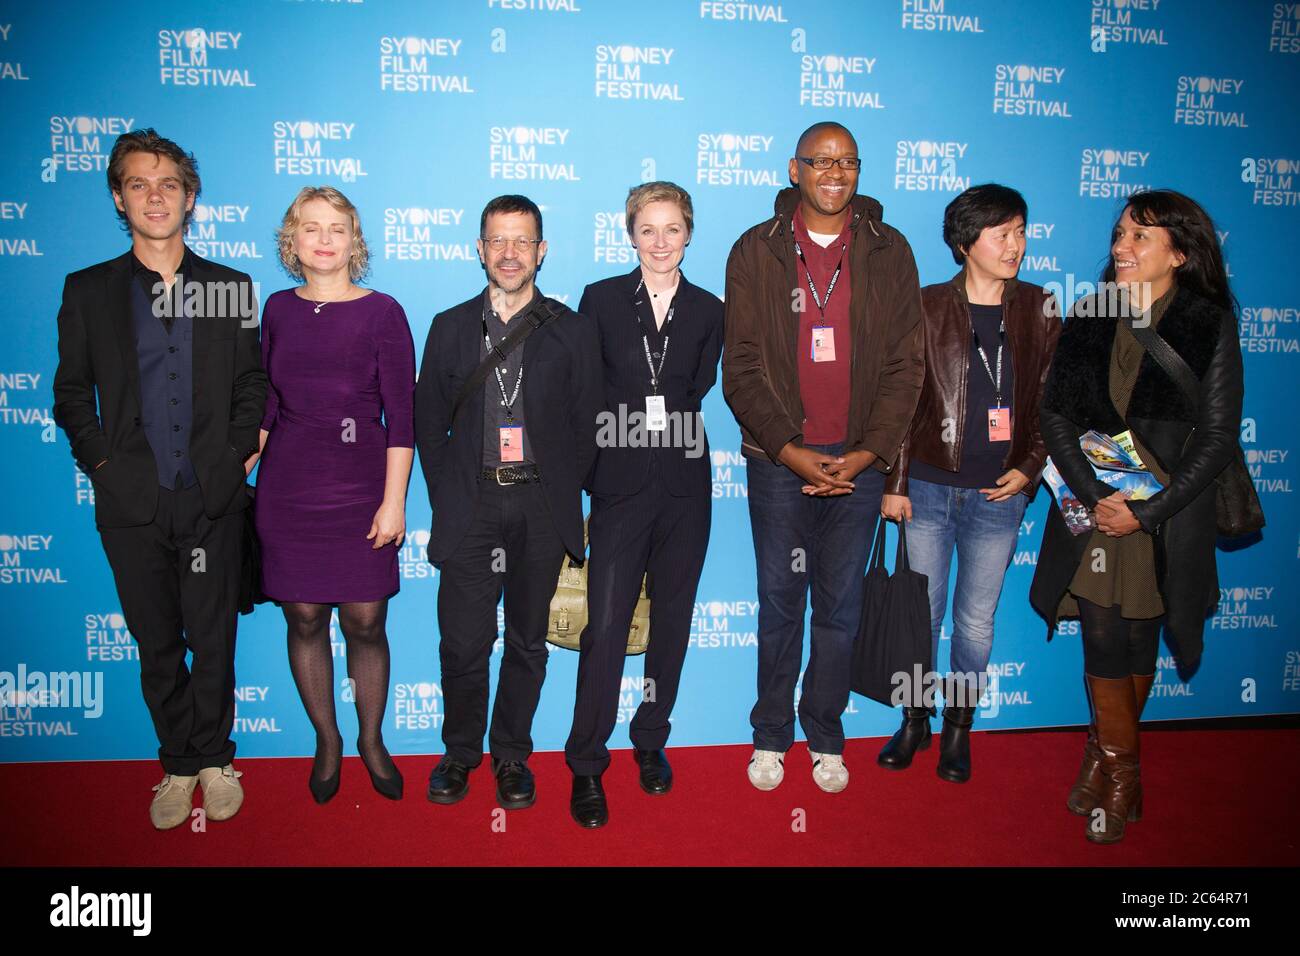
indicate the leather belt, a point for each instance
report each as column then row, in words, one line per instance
column 511, row 474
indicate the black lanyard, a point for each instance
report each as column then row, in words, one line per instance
column 835, row 277
column 996, row 380
column 507, row 401
column 645, row 339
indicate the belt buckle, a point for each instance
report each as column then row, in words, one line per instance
column 503, row 484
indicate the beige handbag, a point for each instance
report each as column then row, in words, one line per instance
column 568, row 614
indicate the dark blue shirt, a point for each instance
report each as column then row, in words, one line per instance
column 981, row 459
column 164, row 347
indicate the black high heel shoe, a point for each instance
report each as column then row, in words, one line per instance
column 322, row 791
column 390, row 787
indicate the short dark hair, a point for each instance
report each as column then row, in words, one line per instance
column 822, row 127
column 979, row 207
column 1191, row 234
column 510, row 203
column 147, row 140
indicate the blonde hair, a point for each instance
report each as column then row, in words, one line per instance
column 638, row 197
column 358, row 261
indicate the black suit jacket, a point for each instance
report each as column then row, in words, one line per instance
column 690, row 370
column 561, row 395
column 97, row 389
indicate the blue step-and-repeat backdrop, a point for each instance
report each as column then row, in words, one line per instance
column 422, row 111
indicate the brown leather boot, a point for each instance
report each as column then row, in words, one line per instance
column 1142, row 690
column 1115, row 705
column 1086, row 792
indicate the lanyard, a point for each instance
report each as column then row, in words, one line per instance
column 996, row 380
column 835, row 277
column 645, row 341
column 507, row 401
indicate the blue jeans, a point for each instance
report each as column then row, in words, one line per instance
column 984, row 533
column 802, row 542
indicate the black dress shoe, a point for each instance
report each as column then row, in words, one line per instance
column 587, row 804
column 449, row 781
column 515, row 787
column 912, row 736
column 656, row 774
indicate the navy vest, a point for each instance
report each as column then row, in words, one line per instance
column 166, row 385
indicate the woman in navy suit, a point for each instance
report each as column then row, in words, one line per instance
column 651, row 490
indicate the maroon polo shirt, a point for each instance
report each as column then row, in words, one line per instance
column 824, row 386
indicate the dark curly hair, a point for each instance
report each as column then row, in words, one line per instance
column 1191, row 233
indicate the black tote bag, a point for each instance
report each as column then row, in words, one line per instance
column 894, row 633
column 250, row 565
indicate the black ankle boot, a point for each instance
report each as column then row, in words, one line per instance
column 954, row 744
column 914, row 735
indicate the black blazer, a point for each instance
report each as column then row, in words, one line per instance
column 97, row 389
column 1192, row 444
column 690, row 370
column 562, row 396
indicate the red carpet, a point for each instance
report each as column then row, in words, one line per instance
column 1212, row 797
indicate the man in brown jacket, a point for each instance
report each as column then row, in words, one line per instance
column 823, row 364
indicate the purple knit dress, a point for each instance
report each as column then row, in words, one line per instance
column 333, row 374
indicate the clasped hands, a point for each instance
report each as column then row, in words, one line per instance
column 826, row 475
column 1114, row 517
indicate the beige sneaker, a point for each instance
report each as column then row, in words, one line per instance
column 766, row 769
column 171, row 806
column 223, row 794
column 829, row 771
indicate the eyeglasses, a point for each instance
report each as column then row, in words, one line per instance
column 825, row 162
column 497, row 243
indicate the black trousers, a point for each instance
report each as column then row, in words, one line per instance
column 178, row 581
column 511, row 545
column 651, row 533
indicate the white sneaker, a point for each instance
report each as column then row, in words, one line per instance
column 829, row 771
column 223, row 794
column 766, row 769
column 171, row 807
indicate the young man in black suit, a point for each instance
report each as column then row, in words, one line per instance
column 161, row 391
column 505, row 459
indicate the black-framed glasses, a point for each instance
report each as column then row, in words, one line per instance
column 498, row 243
column 825, row 162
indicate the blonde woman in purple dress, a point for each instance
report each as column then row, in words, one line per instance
column 336, row 454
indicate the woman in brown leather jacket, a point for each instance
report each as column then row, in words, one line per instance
column 1166, row 261
column 972, row 457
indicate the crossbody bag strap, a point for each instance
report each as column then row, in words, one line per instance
column 537, row 316
column 1164, row 355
